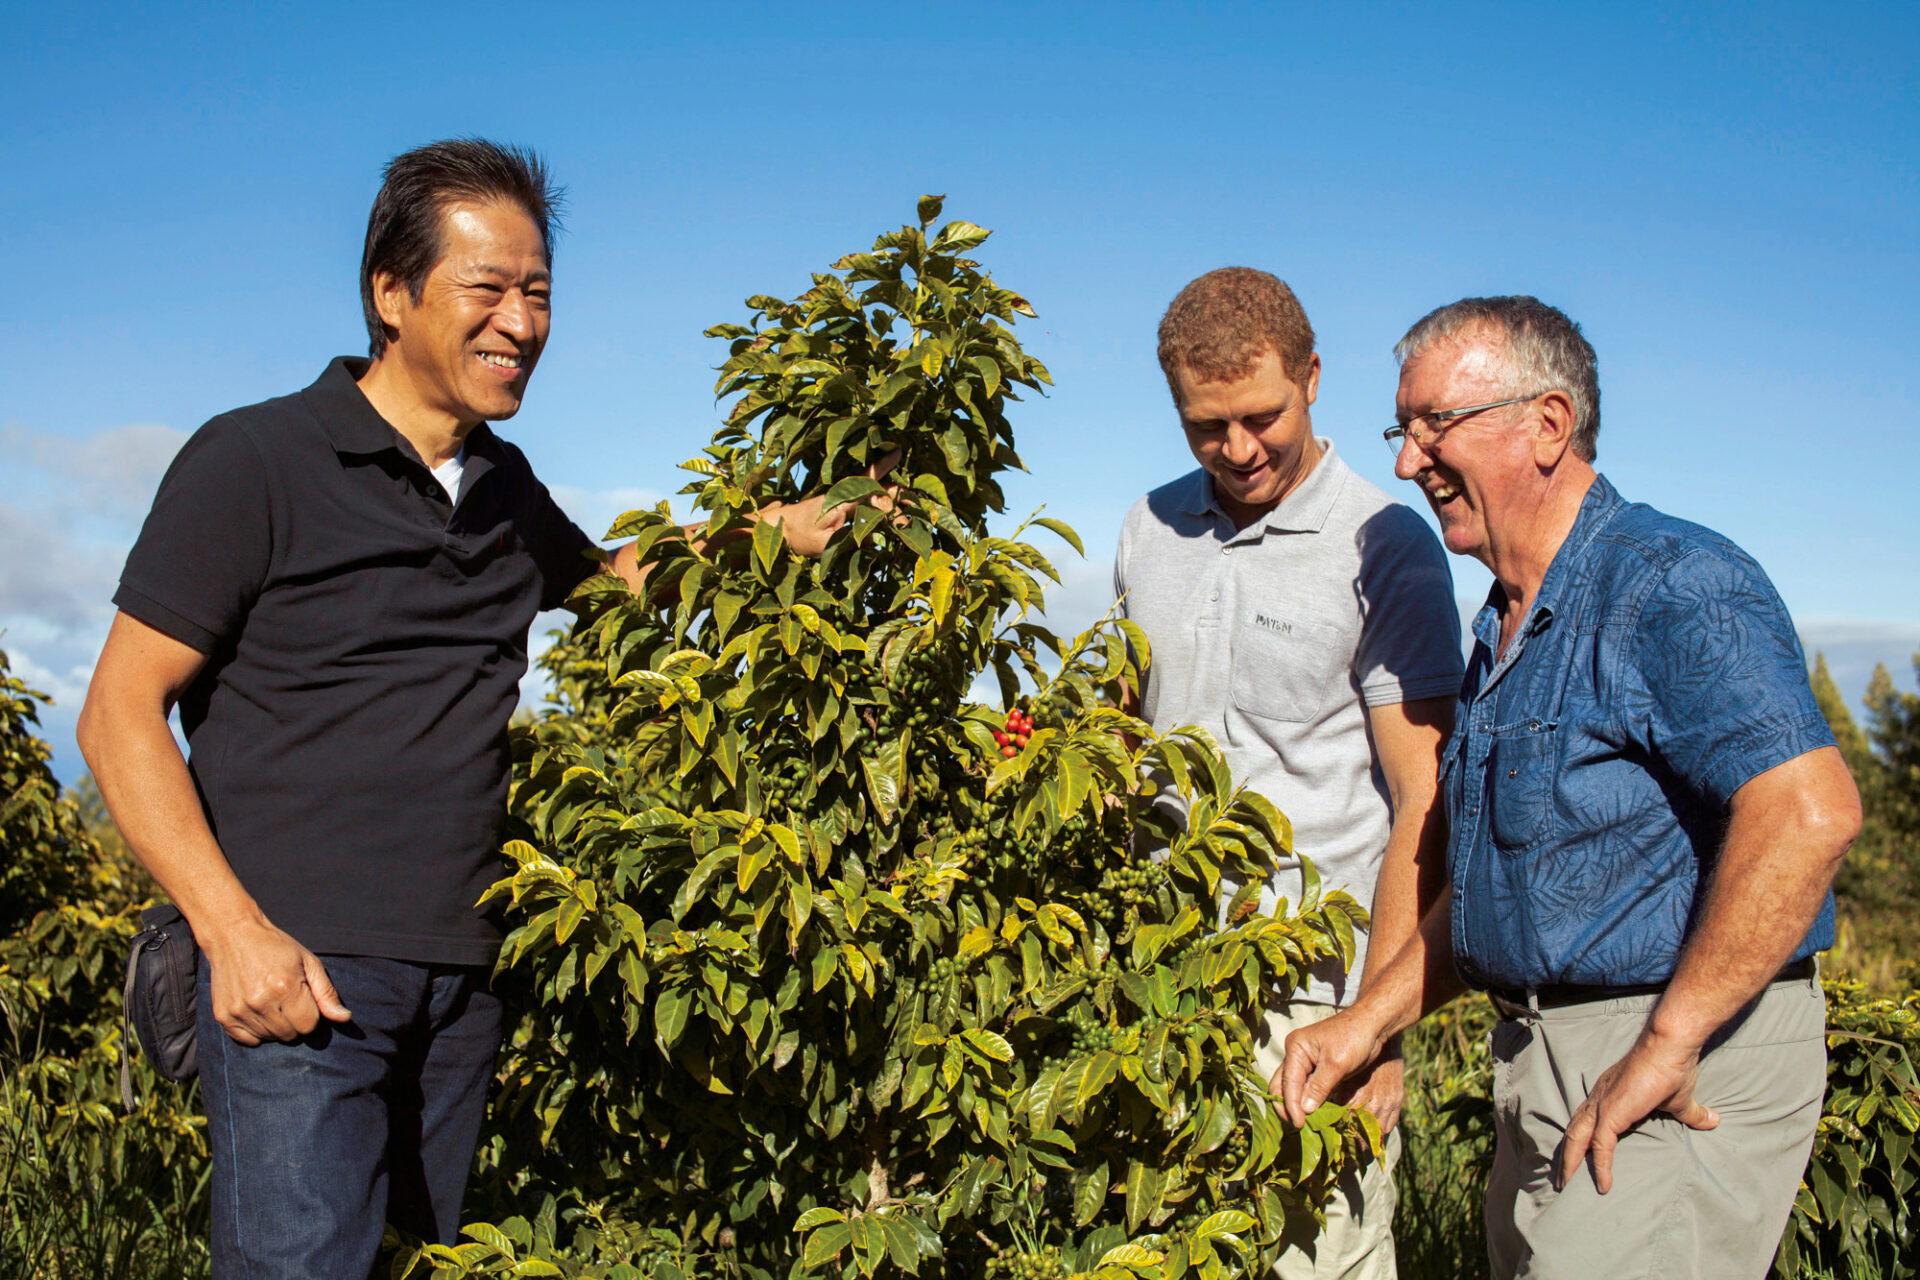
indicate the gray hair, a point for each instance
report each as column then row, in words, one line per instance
column 1544, row 352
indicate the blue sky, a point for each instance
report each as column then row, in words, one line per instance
column 1724, row 196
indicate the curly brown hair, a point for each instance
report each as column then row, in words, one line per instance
column 1218, row 327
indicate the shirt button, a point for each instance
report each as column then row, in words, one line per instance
column 1226, row 551
column 1214, row 596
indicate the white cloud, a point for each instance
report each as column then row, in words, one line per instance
column 73, row 509
column 595, row 510
column 51, row 574
column 67, row 688
column 111, row 473
column 1853, row 647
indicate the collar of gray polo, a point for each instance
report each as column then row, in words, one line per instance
column 1305, row 510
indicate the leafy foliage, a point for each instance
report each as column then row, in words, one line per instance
column 1855, row 1215
column 829, row 969
column 84, row 1189
column 816, row 976
column 1446, row 1131
column 1857, row 1210
column 1878, row 887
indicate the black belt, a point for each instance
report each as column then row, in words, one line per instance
column 1558, row 995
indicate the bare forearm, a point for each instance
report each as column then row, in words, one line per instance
column 266, row 986
column 1417, row 980
column 1396, row 906
column 806, row 526
column 622, row 563
column 1323, row 1056
column 1412, row 879
column 1413, row 868
column 1783, row 845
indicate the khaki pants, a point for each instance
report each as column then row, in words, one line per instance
column 1357, row 1243
column 1684, row 1202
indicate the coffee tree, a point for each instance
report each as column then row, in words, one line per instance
column 87, row 1187
column 830, row 969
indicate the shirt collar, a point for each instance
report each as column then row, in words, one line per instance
column 1304, row 510
column 351, row 422
column 353, row 425
column 1597, row 509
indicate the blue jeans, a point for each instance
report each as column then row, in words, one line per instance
column 317, row 1144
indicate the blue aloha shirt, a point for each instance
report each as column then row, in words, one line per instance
column 1589, row 771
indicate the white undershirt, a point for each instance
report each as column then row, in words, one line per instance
column 449, row 472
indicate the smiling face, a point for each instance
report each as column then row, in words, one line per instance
column 468, row 346
column 1252, row 434
column 1482, row 474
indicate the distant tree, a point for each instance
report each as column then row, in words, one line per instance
column 1833, row 704
column 1879, row 884
column 1894, row 727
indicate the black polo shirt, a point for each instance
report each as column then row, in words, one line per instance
column 365, row 638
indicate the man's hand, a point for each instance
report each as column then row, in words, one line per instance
column 1787, row 830
column 1322, row 1057
column 1654, row 1076
column 808, row 528
column 266, row 986
column 1383, row 1090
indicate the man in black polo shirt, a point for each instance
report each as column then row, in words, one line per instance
column 336, row 588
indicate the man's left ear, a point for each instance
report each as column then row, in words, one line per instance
column 1553, row 434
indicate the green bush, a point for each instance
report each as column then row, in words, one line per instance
column 1446, row 1134
column 826, row 968
column 1855, row 1215
column 1878, row 887
column 811, row 975
column 85, row 1189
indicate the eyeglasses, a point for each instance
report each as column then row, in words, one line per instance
column 1427, row 429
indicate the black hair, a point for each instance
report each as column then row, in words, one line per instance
column 405, row 236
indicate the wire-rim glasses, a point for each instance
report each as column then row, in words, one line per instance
column 1427, row 429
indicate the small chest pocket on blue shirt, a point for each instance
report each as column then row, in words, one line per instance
column 1520, row 772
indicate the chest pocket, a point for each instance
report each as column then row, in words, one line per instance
column 1287, row 675
column 1521, row 765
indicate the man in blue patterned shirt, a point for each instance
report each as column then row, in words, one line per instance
column 1645, row 811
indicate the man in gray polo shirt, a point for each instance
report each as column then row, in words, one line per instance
column 1307, row 621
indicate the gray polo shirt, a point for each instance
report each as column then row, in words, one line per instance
column 1276, row 637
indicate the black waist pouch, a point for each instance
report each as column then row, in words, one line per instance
column 159, row 998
